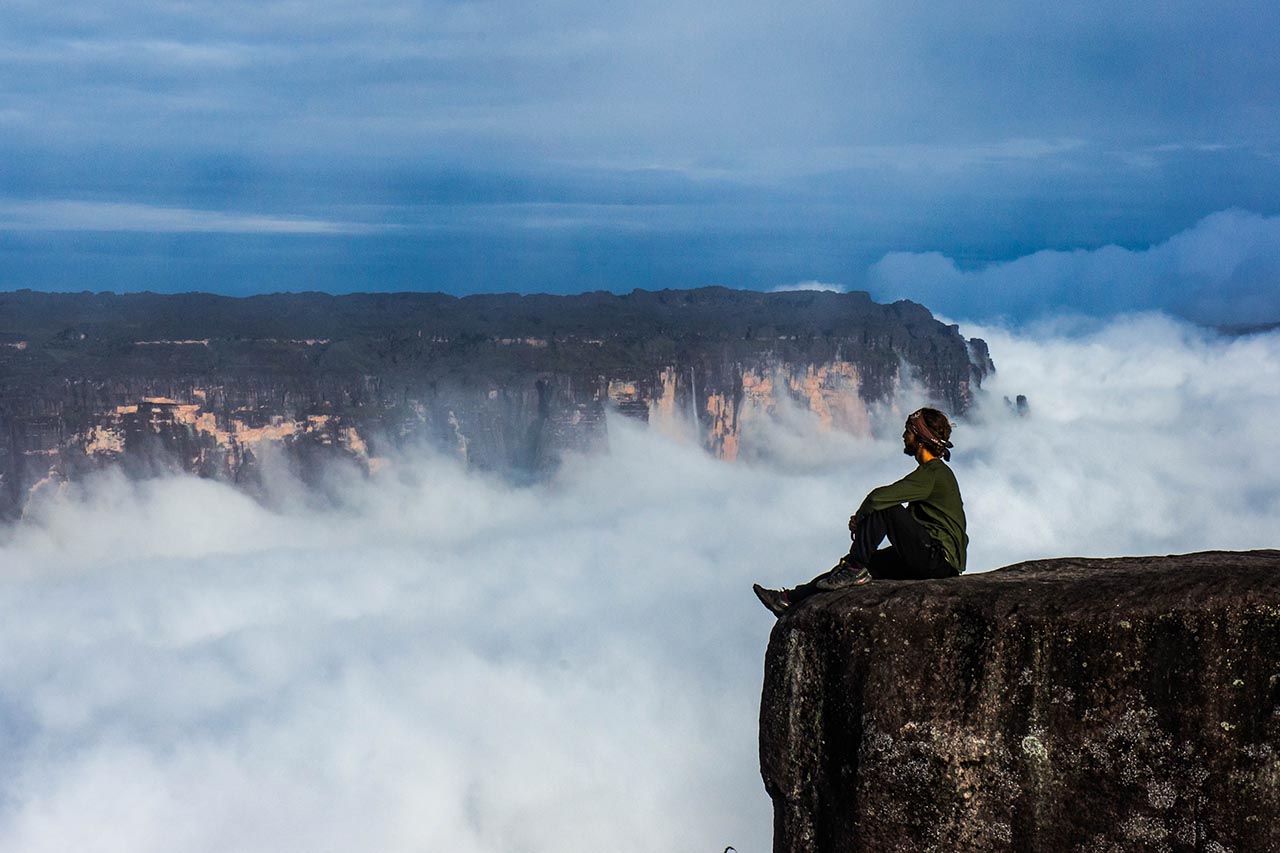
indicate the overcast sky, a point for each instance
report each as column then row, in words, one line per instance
column 563, row 146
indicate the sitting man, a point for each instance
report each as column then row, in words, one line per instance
column 927, row 537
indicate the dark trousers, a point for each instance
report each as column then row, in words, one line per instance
column 912, row 553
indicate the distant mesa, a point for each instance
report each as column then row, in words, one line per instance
column 209, row 384
column 1018, row 405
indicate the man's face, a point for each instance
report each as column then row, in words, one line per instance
column 908, row 442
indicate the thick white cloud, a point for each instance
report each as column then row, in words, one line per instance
column 1145, row 436
column 1225, row 269
column 812, row 284
column 448, row 663
column 102, row 216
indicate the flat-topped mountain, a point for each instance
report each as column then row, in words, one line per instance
column 1063, row 705
column 208, row 383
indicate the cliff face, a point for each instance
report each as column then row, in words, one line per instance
column 212, row 385
column 1065, row 705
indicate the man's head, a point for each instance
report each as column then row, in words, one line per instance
column 927, row 429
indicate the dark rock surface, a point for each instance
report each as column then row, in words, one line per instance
column 212, row 384
column 1127, row 704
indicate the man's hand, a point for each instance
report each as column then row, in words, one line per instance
column 853, row 525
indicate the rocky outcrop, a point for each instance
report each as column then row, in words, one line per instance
column 1064, row 705
column 213, row 385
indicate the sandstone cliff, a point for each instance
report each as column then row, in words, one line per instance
column 210, row 384
column 1066, row 705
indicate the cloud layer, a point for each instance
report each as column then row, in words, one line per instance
column 117, row 217
column 444, row 662
column 1223, row 270
column 822, row 286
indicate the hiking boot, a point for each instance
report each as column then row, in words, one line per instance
column 774, row 599
column 842, row 576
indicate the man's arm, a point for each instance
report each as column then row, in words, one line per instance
column 916, row 486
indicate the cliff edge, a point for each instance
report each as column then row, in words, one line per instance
column 1127, row 704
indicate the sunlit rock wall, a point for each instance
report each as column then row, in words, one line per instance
column 221, row 387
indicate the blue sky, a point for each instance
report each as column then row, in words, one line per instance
column 973, row 158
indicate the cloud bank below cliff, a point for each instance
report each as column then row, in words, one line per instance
column 448, row 663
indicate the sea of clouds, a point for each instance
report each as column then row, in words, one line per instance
column 444, row 662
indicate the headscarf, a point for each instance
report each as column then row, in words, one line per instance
column 936, row 446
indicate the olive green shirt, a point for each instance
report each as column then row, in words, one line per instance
column 933, row 497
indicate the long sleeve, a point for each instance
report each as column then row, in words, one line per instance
column 916, row 486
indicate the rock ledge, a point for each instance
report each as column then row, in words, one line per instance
column 1128, row 704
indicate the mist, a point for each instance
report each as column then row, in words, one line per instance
column 443, row 661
